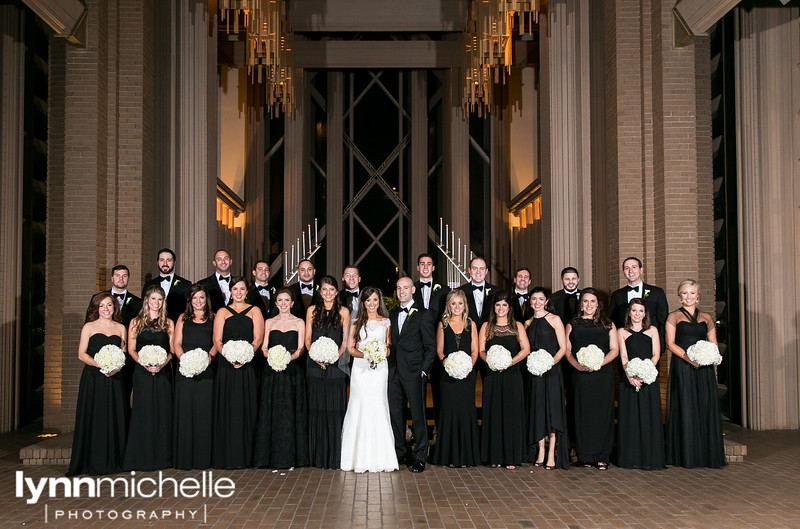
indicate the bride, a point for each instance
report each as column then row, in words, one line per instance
column 367, row 438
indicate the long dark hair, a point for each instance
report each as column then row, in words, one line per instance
column 599, row 317
column 361, row 318
column 93, row 314
column 501, row 295
column 208, row 313
column 645, row 321
column 327, row 318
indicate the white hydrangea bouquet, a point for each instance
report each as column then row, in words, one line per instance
column 238, row 351
column 498, row 358
column 193, row 362
column 458, row 365
column 641, row 369
column 110, row 358
column 325, row 351
column 152, row 355
column 278, row 357
column 704, row 353
column 590, row 356
column 539, row 362
column 374, row 352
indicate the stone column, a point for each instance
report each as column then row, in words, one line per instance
column 456, row 158
column 334, row 228
column 767, row 52
column 298, row 195
column 419, row 167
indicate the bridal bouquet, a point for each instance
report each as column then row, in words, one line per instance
column 704, row 353
column 641, row 369
column 278, row 357
column 539, row 362
column 590, row 356
column 458, row 365
column 109, row 358
column 193, row 362
column 498, row 358
column 374, row 352
column 152, row 355
column 324, row 350
column 237, row 351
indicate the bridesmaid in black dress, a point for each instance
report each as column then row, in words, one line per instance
column 150, row 436
column 98, row 444
column 547, row 416
column 327, row 388
column 593, row 391
column 282, row 429
column 503, row 428
column 235, row 404
column 641, row 432
column 694, row 425
column 458, row 439
column 192, row 429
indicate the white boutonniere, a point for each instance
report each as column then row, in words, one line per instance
column 487, row 292
column 127, row 300
column 412, row 311
column 646, row 292
column 176, row 281
column 436, row 287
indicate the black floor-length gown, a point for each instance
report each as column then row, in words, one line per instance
column 458, row 438
column 235, row 399
column 150, row 436
column 694, row 425
column 327, row 404
column 192, row 433
column 593, row 396
column 282, row 428
column 641, row 432
column 98, row 443
column 546, row 410
column 503, row 428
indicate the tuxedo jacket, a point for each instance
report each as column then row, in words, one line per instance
column 488, row 292
column 345, row 298
column 299, row 309
column 439, row 293
column 522, row 313
column 130, row 307
column 654, row 299
column 413, row 348
column 177, row 297
column 564, row 306
column 266, row 306
column 215, row 295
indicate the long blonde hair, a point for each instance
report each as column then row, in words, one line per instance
column 142, row 320
column 456, row 293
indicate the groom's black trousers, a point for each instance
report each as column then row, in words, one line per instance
column 413, row 390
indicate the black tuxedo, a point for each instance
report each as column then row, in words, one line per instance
column 488, row 292
column 522, row 313
column 436, row 303
column 215, row 294
column 130, row 307
column 654, row 299
column 299, row 308
column 266, row 306
column 564, row 305
column 178, row 295
column 412, row 353
column 345, row 299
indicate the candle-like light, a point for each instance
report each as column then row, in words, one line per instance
column 446, row 235
column 440, row 228
column 292, row 261
column 458, row 252
column 316, row 233
column 285, row 266
column 298, row 252
column 309, row 237
column 303, row 236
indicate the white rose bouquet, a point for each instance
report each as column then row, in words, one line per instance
column 539, row 362
column 458, row 365
column 193, row 362
column 237, row 351
column 278, row 357
column 324, row 350
column 590, row 356
column 641, row 369
column 374, row 352
column 152, row 355
column 498, row 358
column 110, row 358
column 704, row 353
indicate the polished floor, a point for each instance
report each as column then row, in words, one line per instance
column 763, row 492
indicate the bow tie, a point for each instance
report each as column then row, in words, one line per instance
column 404, row 309
column 226, row 279
column 168, row 279
column 477, row 287
column 576, row 293
column 632, row 289
column 353, row 293
column 307, row 286
column 262, row 287
column 427, row 284
column 120, row 297
column 523, row 296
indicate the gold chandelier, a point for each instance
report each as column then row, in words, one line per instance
column 487, row 45
column 269, row 46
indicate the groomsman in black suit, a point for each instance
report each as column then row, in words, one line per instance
column 218, row 284
column 429, row 293
column 654, row 298
column 479, row 293
column 351, row 289
column 410, row 362
column 522, row 282
column 260, row 293
column 305, row 291
column 564, row 303
column 175, row 288
column 129, row 303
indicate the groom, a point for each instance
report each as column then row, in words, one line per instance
column 411, row 359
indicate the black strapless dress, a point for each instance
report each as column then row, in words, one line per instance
column 192, row 428
column 282, row 429
column 150, row 436
column 694, row 424
column 98, row 443
column 235, row 399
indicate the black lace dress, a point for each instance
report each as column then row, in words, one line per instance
column 546, row 410
column 98, row 444
column 192, row 428
column 235, row 399
column 694, row 424
column 282, row 429
column 503, row 428
column 458, row 437
column 641, row 432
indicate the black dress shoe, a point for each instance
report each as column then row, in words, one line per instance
column 418, row 466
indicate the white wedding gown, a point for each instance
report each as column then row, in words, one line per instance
column 367, row 438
